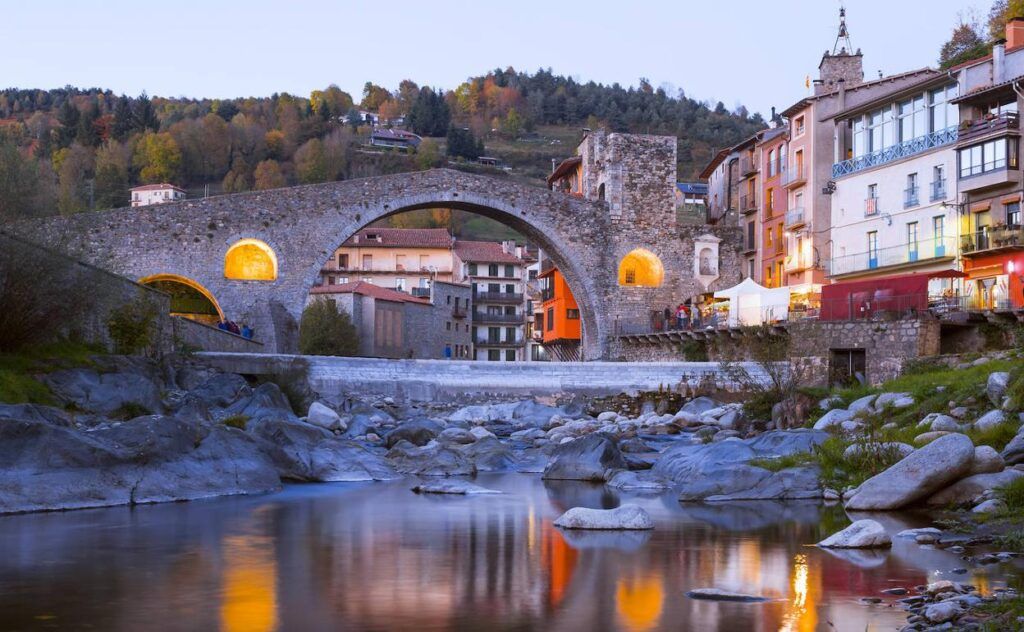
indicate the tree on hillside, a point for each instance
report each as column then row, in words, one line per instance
column 68, row 117
column 268, row 176
column 123, row 118
column 1003, row 11
column 373, row 96
column 324, row 330
column 430, row 115
column 965, row 44
column 88, row 133
column 354, row 119
column 113, row 175
column 462, row 143
column 143, row 115
column 311, row 162
column 158, row 157
column 21, row 183
column 74, row 166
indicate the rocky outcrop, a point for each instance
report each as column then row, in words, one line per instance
column 625, row 517
column 455, row 487
column 432, row 459
column 592, row 458
column 968, row 490
column 916, row 476
column 418, row 432
column 149, row 459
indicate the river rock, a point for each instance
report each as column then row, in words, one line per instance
column 937, row 422
column 893, row 400
column 990, row 420
column 418, row 432
column 699, row 405
column 927, row 437
column 789, row 484
column 455, row 486
column 995, row 388
column 432, row 459
column 106, row 393
column 323, row 416
column 862, row 534
column 265, row 402
column 638, row 482
column 967, row 490
column 862, row 405
column 943, row 611
column 916, row 476
column 991, row 505
column 986, row 460
column 834, row 417
column 595, row 457
column 481, row 433
column 304, row 452
column 220, row 390
column 854, row 450
column 1013, row 453
column 456, row 435
column 715, row 594
column 489, row 454
column 625, row 517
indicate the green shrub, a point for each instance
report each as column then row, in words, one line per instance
column 1013, row 495
column 236, row 421
column 17, row 387
column 1015, row 389
column 997, row 436
column 694, row 350
column 325, row 330
column 840, row 472
column 130, row 326
column 129, row 410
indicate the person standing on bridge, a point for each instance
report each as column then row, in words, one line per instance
column 682, row 317
column 666, row 322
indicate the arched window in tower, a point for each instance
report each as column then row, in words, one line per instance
column 641, row 268
column 600, row 192
column 250, row 260
column 708, row 262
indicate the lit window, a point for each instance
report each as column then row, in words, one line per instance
column 250, row 260
column 641, row 268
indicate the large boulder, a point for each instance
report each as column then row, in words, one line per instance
column 488, row 454
column 266, row 401
column 304, row 452
column 699, row 405
column 418, row 432
column 625, row 517
column 592, row 458
column 834, row 417
column 916, row 476
column 220, row 390
column 432, row 459
column 324, row 416
column 862, row 534
column 990, row 420
column 986, row 460
column 995, row 388
column 862, row 405
column 788, row 484
column 966, row 490
column 150, row 459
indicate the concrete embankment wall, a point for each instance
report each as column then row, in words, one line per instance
column 450, row 380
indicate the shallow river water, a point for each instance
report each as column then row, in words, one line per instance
column 376, row 556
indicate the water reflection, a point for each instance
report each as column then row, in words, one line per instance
column 378, row 557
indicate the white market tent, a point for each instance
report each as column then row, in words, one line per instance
column 754, row 304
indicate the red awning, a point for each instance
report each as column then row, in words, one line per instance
column 947, row 274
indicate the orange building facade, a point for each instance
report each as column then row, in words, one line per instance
column 560, row 316
column 772, row 150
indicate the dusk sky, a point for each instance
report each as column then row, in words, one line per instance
column 757, row 56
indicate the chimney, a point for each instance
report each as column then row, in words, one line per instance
column 999, row 62
column 1015, row 33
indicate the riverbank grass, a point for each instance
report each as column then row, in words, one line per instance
column 19, row 383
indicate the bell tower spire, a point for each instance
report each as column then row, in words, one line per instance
column 842, row 44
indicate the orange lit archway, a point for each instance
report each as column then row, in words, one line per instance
column 641, row 268
column 188, row 298
column 250, row 260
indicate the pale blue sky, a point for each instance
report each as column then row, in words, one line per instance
column 755, row 53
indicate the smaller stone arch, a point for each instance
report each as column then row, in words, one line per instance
column 189, row 299
column 250, row 260
column 641, row 268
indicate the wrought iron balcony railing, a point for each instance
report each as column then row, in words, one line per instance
column 938, row 190
column 871, row 207
column 794, row 177
column 973, row 130
column 910, row 252
column 501, row 319
column 896, row 152
column 992, row 238
column 795, row 217
column 910, row 197
column 498, row 297
column 748, row 203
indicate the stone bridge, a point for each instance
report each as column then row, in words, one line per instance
column 302, row 226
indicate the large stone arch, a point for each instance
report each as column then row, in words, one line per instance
column 305, row 224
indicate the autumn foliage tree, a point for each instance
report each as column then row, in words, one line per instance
column 158, row 157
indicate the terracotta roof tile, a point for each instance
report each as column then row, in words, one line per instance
column 483, row 252
column 369, row 289
column 401, row 238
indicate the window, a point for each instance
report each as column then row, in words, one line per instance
column 472, row 269
column 771, row 163
column 510, row 334
column 913, row 118
column 493, row 355
column 510, row 271
column 911, row 194
column 911, row 241
column 768, row 276
column 1013, row 214
column 330, row 280
column 873, row 249
column 750, row 268
column 778, row 273
column 510, row 355
column 342, row 280
column 399, row 262
column 799, row 125
column 768, row 234
column 449, row 300
column 873, row 191
column 343, row 261
column 448, row 325
column 367, row 262
column 492, row 270
column 769, row 201
column 938, row 183
column 510, row 288
column 938, row 227
column 400, row 284
column 941, row 113
column 751, row 243
column 990, row 156
column 572, row 314
column 550, row 318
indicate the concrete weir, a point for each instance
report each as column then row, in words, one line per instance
column 450, row 380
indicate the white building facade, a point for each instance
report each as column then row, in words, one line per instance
column 156, row 194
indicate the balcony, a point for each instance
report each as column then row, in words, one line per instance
column 871, row 207
column 795, row 177
column 911, row 197
column 748, row 167
column 798, row 262
column 420, row 292
column 972, row 131
column 749, row 246
column 938, row 190
column 499, row 319
column 886, row 155
column 795, row 217
column 498, row 297
column 547, row 294
column 999, row 175
column 458, row 313
column 748, row 204
column 989, row 239
column 907, row 254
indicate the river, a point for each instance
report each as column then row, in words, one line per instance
column 375, row 556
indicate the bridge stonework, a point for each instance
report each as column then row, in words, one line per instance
column 586, row 238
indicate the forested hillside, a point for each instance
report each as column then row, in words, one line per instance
column 69, row 150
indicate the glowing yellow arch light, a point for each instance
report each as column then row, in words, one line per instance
column 641, row 268
column 250, row 260
column 162, row 281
